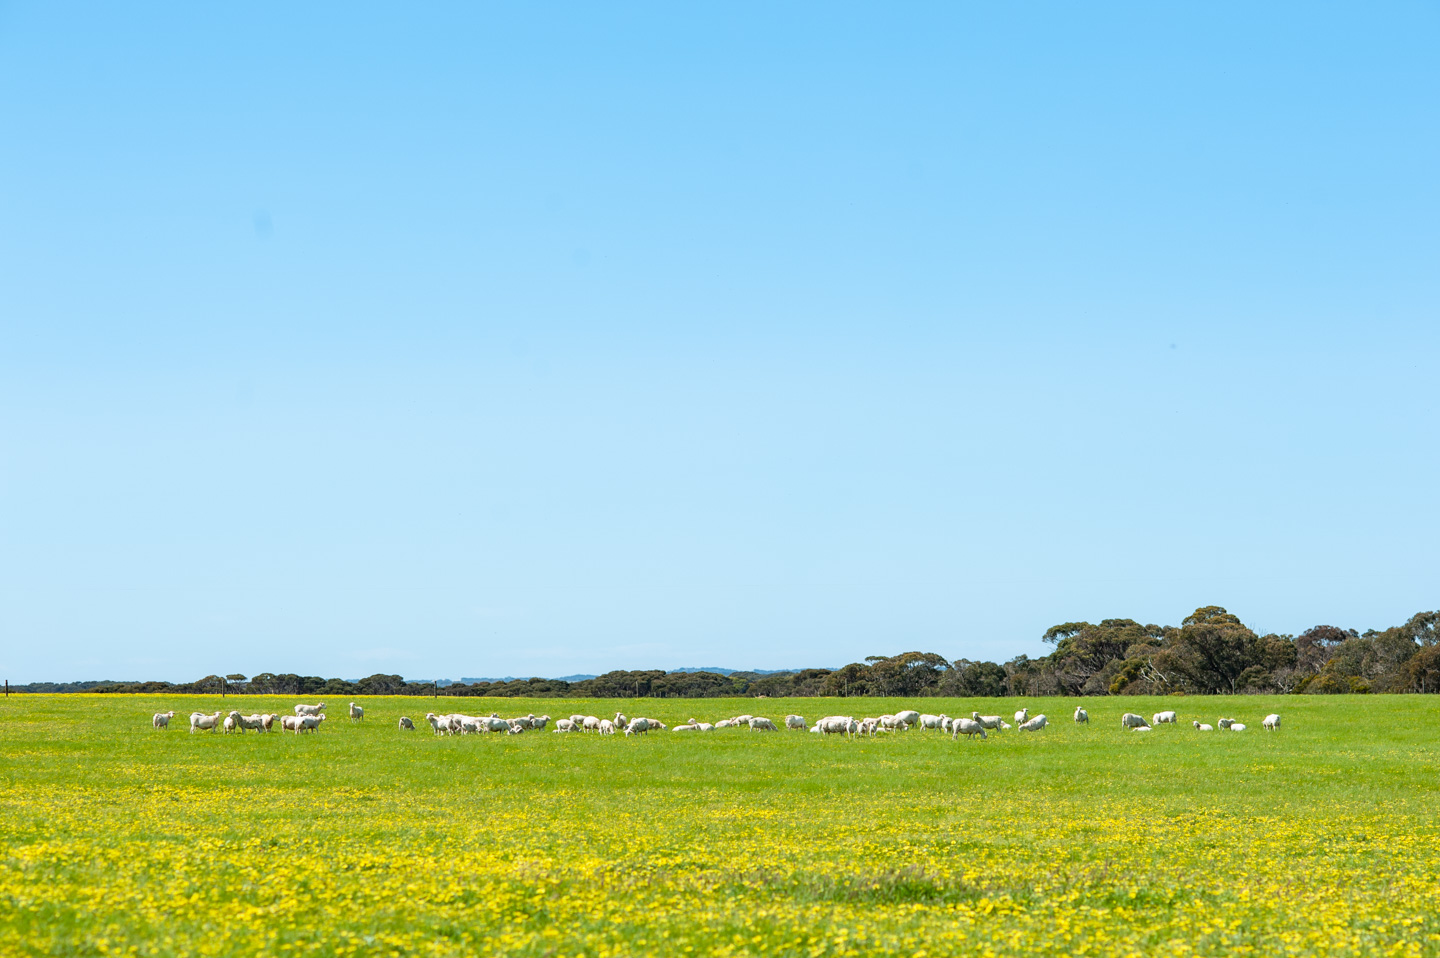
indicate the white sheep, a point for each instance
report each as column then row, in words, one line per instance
column 607, row 727
column 836, row 725
column 1202, row 728
column 1271, row 723
column 1163, row 718
column 620, row 720
column 231, row 723
column 1131, row 720
column 1082, row 717
column 288, row 723
column 932, row 721
column 1035, row 724
column 440, row 723
column 256, row 722
column 908, row 717
column 308, row 723
column 1237, row 727
column 406, row 725
column 539, row 722
column 758, row 724
column 987, row 721
column 199, row 722
column 966, row 727
column 590, row 724
column 309, row 709
column 706, row 727
column 1021, row 716
column 162, row 719
column 791, row 721
column 578, row 721
column 686, row 727
column 564, row 725
column 1141, row 728
column 356, row 713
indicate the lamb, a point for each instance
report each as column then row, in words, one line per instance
column 1035, row 724
column 539, row 723
column 200, row 722
column 724, row 723
column 232, row 722
column 1163, row 718
column 607, row 727
column 791, row 721
column 1141, row 728
column 1021, row 716
column 406, row 725
column 515, row 728
column 759, row 724
column 564, row 725
column 162, row 719
column 309, row 709
column 908, row 717
column 706, row 727
column 1271, row 723
column 1082, row 717
column 687, row 727
column 1237, row 727
column 1131, row 720
column 578, row 721
column 967, row 728
column 356, row 713
column 1202, row 728
column 308, row 723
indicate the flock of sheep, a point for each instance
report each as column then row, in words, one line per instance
column 307, row 718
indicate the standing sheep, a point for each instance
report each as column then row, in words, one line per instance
column 356, row 713
column 200, row 722
column 1082, row 717
column 1131, row 720
column 966, row 727
column 759, row 724
column 1021, row 716
column 1163, row 718
column 406, row 725
column 1271, row 723
column 162, row 719
column 791, row 721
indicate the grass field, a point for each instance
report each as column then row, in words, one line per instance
column 1319, row 839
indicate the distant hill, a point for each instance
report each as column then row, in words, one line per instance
column 720, row 671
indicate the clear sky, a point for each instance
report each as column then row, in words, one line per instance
column 542, row 339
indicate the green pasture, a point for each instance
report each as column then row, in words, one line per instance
column 362, row 839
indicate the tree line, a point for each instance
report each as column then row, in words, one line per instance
column 1210, row 652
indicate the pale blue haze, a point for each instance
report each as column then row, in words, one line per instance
column 544, row 339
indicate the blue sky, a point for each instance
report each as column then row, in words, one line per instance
column 485, row 340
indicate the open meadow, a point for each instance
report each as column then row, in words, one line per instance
column 1321, row 838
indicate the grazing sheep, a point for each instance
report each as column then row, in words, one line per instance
column 309, row 709
column 908, row 717
column 308, row 723
column 356, row 713
column 406, row 725
column 1131, row 720
column 966, row 727
column 440, row 723
column 1082, row 717
column 1035, row 724
column 932, row 721
column 162, row 719
column 636, row 726
column 564, row 725
column 578, row 721
column 791, row 721
column 515, row 728
column 590, row 724
column 539, row 722
column 1021, row 716
column 1237, row 727
column 759, row 724
column 607, row 727
column 836, row 725
column 1271, row 723
column 1163, row 718
column 200, row 722
column 1202, row 728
